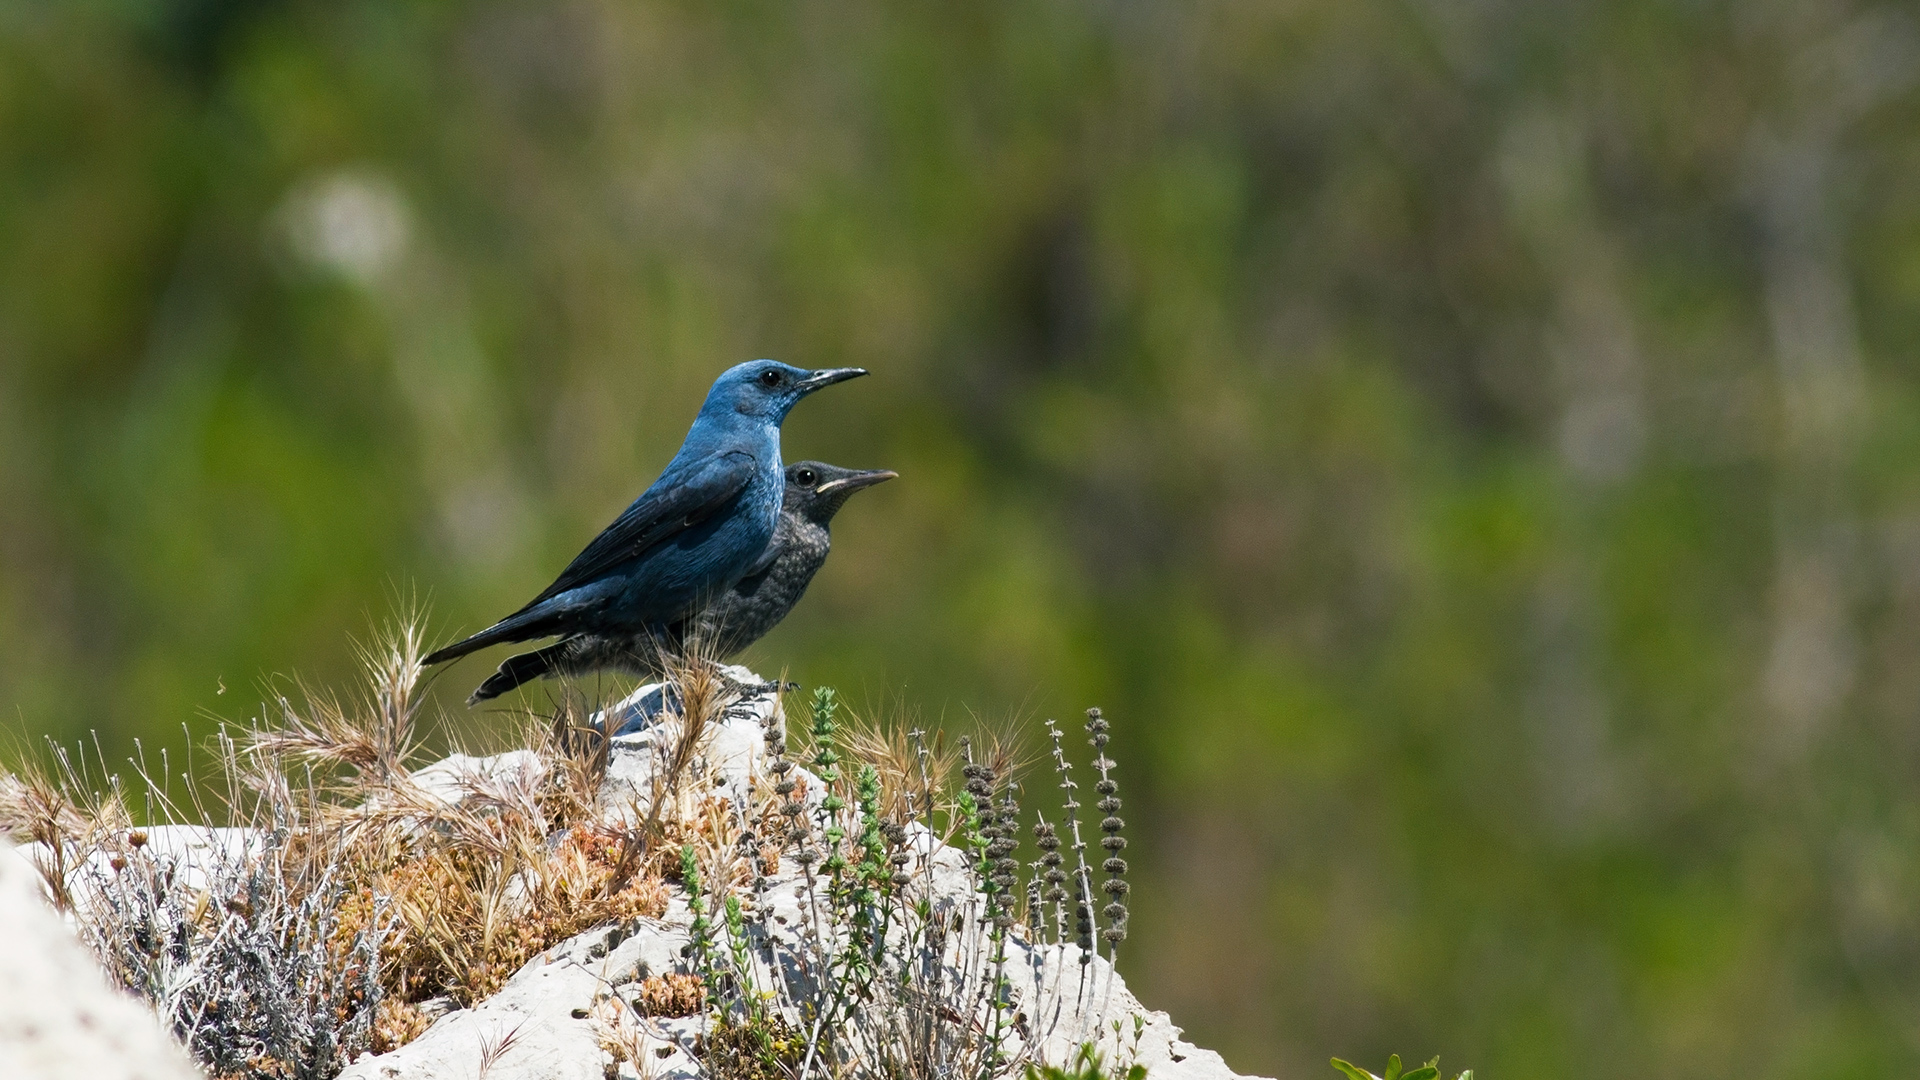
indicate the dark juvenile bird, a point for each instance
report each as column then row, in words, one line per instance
column 707, row 522
column 736, row 618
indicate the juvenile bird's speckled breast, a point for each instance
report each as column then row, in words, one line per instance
column 744, row 613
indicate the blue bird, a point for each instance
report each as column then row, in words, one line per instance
column 737, row 617
column 705, row 524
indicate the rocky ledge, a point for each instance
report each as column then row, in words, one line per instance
column 623, row 1000
column 572, row 1012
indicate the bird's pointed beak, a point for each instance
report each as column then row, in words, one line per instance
column 855, row 482
column 829, row 376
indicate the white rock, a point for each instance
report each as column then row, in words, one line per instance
column 551, row 1016
column 59, row 1019
column 456, row 776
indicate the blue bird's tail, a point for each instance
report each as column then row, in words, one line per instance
column 518, row 669
column 523, row 625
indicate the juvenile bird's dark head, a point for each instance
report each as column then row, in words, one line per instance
column 766, row 389
column 816, row 490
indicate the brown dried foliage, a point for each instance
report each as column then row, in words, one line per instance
column 467, row 922
column 670, row 995
column 399, row 1023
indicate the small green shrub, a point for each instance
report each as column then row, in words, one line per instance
column 891, row 977
column 1429, row 1071
column 1085, row 1066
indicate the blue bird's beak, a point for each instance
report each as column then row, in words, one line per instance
column 827, row 377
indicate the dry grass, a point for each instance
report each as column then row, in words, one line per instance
column 389, row 886
column 919, row 768
column 42, row 808
column 702, row 693
column 362, row 885
column 465, row 921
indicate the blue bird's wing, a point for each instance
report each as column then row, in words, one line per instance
column 671, row 506
column 678, row 501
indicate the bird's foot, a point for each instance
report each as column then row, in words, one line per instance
column 748, row 695
column 757, row 689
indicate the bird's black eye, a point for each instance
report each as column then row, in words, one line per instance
column 770, row 378
column 805, row 477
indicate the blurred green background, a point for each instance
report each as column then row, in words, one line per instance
column 1471, row 448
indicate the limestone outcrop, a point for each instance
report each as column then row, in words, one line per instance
column 901, row 935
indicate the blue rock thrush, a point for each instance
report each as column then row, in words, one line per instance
column 737, row 617
column 705, row 524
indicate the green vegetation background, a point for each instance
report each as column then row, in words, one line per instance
column 1471, row 450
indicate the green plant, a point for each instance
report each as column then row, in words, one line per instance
column 910, row 910
column 1429, row 1071
column 1086, row 1065
column 760, row 1048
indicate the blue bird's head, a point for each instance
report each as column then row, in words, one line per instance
column 767, row 389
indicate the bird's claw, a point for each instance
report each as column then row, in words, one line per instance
column 761, row 689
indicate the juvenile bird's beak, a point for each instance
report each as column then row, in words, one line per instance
column 829, row 376
column 851, row 484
